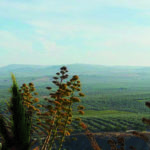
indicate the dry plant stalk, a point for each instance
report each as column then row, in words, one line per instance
column 58, row 118
column 90, row 136
column 112, row 144
column 56, row 121
column 120, row 142
column 140, row 135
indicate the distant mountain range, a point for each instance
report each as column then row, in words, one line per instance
column 79, row 69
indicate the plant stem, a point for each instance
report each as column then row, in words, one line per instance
column 62, row 139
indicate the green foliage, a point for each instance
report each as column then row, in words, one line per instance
column 112, row 102
column 59, row 112
column 58, row 118
column 21, row 125
column 19, row 136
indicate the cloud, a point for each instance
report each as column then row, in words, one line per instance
column 134, row 4
column 16, row 44
column 123, row 39
column 70, row 6
column 11, row 43
column 15, row 49
column 70, row 29
column 113, row 57
column 53, row 32
column 35, row 9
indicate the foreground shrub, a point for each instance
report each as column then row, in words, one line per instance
column 57, row 119
column 18, row 137
column 59, row 116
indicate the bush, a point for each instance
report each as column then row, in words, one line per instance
column 56, row 121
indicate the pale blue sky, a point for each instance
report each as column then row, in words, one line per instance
column 46, row 32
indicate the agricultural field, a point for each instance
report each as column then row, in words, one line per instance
column 112, row 103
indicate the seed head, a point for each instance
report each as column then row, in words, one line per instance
column 147, row 104
column 49, row 88
column 63, row 68
column 81, row 112
column 81, row 94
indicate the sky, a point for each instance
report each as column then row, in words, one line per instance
column 46, row 32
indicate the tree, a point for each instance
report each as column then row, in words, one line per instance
column 18, row 135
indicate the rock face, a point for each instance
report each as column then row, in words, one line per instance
column 82, row 143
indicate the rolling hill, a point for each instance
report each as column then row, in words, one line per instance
column 79, row 69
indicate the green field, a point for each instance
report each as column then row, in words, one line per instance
column 113, row 101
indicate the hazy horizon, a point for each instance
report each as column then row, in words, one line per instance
column 111, row 33
column 76, row 64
